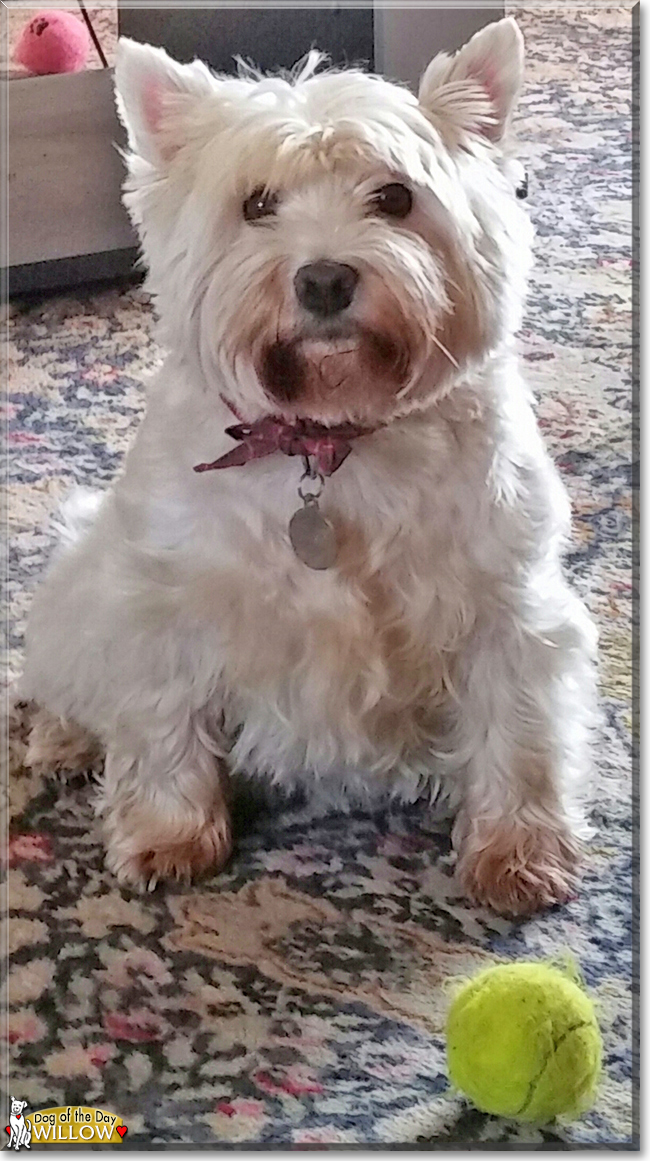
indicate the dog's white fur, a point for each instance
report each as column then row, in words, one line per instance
column 444, row 650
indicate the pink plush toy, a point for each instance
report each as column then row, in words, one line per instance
column 53, row 41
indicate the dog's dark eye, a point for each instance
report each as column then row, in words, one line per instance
column 262, row 203
column 522, row 189
column 394, row 200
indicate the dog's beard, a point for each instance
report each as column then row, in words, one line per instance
column 352, row 373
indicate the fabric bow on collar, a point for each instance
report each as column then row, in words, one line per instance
column 329, row 446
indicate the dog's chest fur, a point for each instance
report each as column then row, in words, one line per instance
column 352, row 667
column 357, row 673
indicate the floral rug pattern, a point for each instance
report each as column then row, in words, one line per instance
column 299, row 998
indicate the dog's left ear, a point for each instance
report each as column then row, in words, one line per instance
column 476, row 90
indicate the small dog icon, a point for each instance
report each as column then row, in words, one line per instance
column 21, row 1130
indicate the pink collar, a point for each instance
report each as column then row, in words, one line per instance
column 329, row 446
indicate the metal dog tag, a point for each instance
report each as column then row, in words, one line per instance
column 312, row 537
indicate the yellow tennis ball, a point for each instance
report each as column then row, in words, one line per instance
column 523, row 1042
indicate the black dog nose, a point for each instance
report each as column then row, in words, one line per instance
column 325, row 288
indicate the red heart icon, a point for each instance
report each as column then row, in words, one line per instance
column 122, row 1129
column 18, row 1116
column 7, row 1128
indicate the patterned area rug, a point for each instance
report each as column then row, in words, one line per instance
column 299, row 998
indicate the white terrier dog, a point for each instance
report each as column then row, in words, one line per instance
column 339, row 268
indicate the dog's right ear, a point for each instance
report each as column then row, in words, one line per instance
column 151, row 89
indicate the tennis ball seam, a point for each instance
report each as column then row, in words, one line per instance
column 536, row 1079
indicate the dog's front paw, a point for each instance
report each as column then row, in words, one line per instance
column 143, row 858
column 518, row 869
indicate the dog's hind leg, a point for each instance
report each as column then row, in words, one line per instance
column 56, row 745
